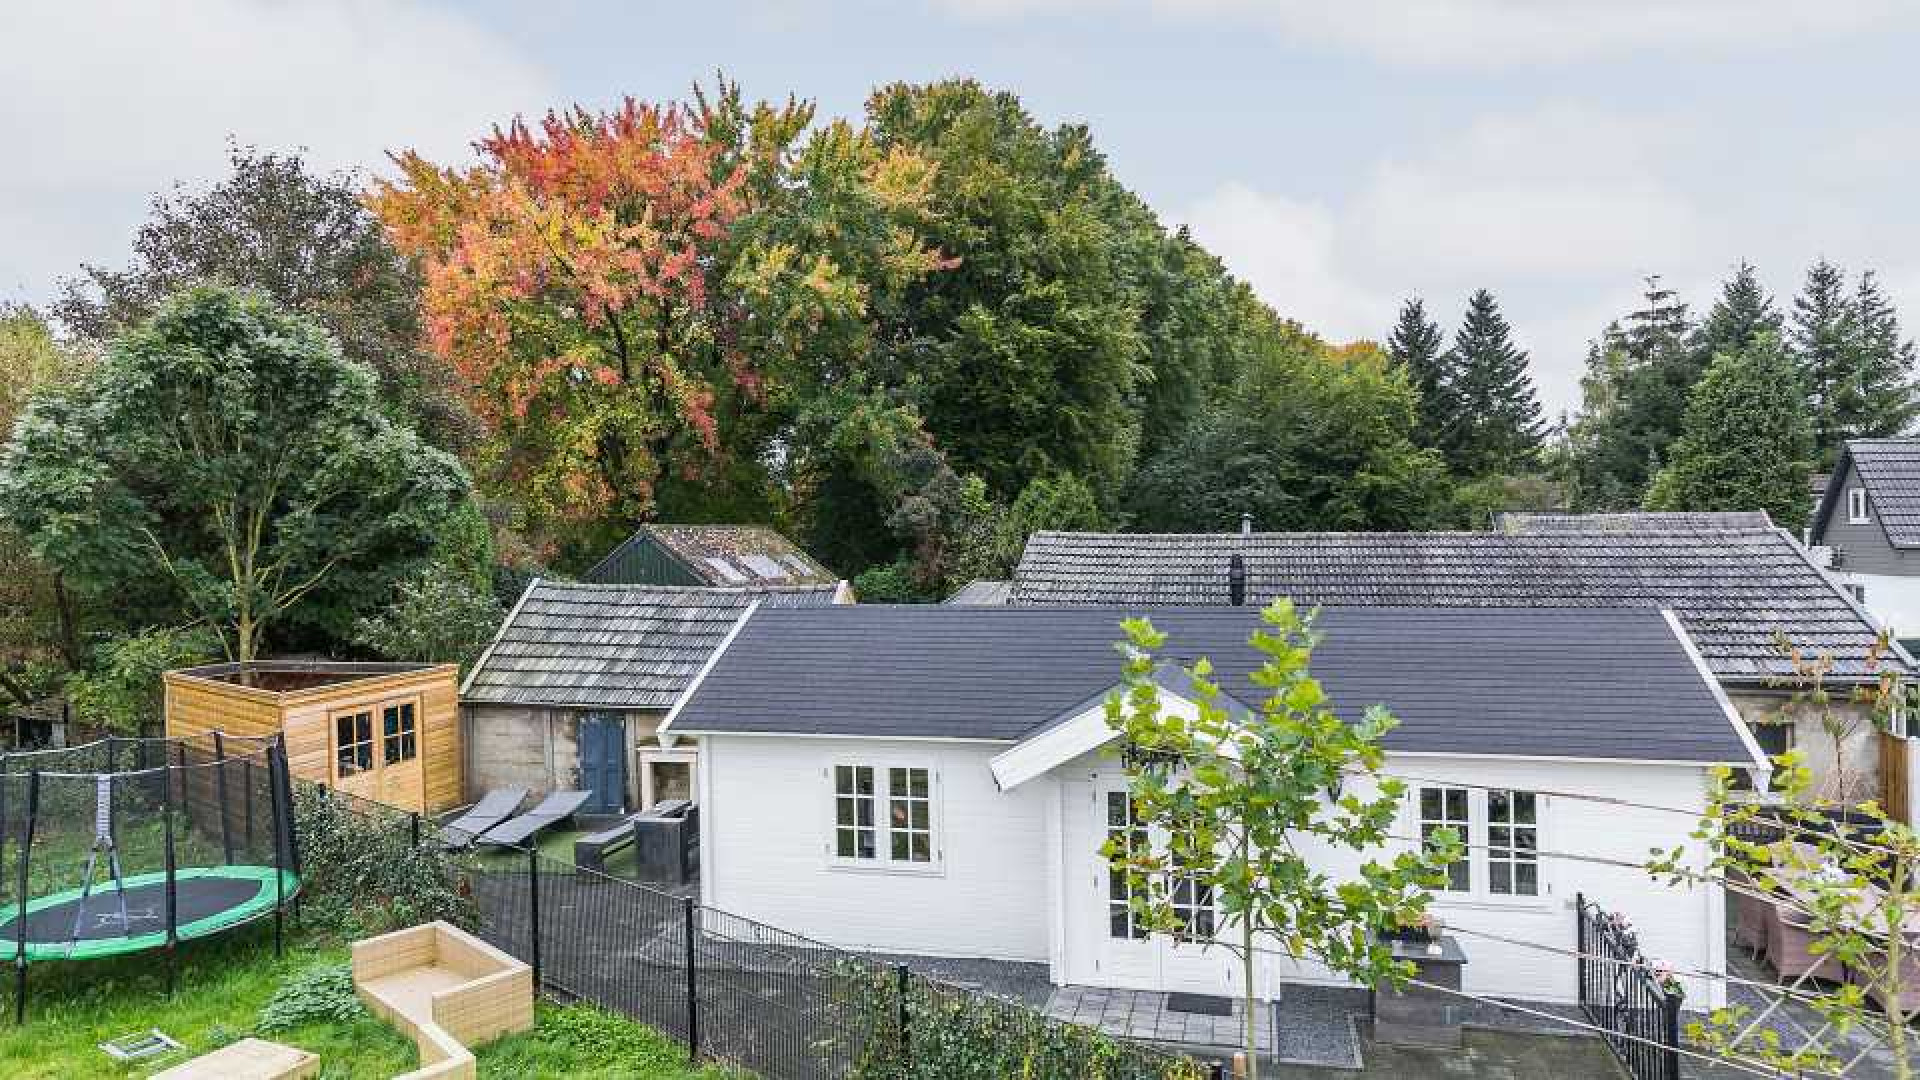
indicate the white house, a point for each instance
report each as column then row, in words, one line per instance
column 931, row 780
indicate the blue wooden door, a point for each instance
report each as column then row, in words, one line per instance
column 603, row 762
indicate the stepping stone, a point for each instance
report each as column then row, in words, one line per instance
column 248, row 1059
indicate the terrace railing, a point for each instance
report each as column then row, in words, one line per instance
column 1627, row 996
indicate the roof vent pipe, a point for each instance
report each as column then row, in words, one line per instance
column 1236, row 581
column 1246, row 524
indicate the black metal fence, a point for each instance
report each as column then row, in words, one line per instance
column 1626, row 995
column 742, row 992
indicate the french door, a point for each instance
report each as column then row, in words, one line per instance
column 1129, row 955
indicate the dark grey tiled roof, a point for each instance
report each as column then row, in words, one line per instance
column 727, row 555
column 1629, row 523
column 981, row 593
column 619, row 646
column 1608, row 684
column 1890, row 471
column 1734, row 590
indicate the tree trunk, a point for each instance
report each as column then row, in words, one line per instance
column 1246, row 983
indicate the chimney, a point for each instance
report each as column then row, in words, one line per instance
column 1246, row 524
column 1236, row 581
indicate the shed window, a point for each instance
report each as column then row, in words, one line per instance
column 883, row 815
column 1125, row 836
column 397, row 728
column 353, row 742
column 1513, row 844
column 1857, row 506
column 1446, row 808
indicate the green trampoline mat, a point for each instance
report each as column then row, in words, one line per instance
column 207, row 899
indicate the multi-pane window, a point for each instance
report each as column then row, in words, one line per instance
column 353, row 742
column 1513, row 843
column 398, row 734
column 1192, row 902
column 1125, row 836
column 909, row 815
column 883, row 814
column 1857, row 506
column 1446, row 808
column 854, row 831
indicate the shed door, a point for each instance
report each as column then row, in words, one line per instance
column 1127, row 954
column 603, row 761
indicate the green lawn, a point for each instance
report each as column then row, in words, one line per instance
column 223, row 984
column 556, row 845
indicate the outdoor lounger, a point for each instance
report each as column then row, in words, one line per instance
column 553, row 810
column 492, row 809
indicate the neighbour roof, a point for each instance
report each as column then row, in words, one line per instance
column 617, row 646
column 1616, row 684
column 1515, row 523
column 979, row 593
column 723, row 555
column 1890, row 471
column 1733, row 589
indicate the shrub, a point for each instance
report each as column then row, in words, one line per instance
column 317, row 995
column 362, row 874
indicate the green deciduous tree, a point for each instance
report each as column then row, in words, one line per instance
column 1309, row 437
column 227, row 451
column 1496, row 426
column 123, row 690
column 303, row 239
column 1747, row 443
column 1238, row 791
column 39, row 615
column 436, row 617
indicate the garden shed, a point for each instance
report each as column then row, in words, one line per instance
column 389, row 732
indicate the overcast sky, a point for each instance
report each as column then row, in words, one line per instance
column 1339, row 156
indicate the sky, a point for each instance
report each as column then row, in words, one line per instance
column 1339, row 157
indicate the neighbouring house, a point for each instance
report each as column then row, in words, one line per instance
column 389, row 732
column 1629, row 522
column 936, row 780
column 983, row 593
column 1867, row 526
column 1738, row 589
column 573, row 687
column 731, row 556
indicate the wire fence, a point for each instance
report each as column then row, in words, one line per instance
column 739, row 991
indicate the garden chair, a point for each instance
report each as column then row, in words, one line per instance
column 492, row 809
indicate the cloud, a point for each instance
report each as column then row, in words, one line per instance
column 1492, row 33
column 109, row 102
column 1290, row 251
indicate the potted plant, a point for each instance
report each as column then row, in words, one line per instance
column 1420, row 930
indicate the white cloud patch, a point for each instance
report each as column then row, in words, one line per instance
column 109, row 102
column 1489, row 33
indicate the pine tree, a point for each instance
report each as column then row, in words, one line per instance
column 1498, row 428
column 1882, row 366
column 1419, row 349
column 1633, row 400
column 1822, row 343
column 1743, row 312
column 1747, row 443
column 1654, row 332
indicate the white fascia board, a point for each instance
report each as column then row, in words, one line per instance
column 1044, row 751
column 1762, row 768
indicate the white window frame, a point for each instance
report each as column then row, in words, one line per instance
column 1478, row 856
column 883, row 830
column 1857, row 510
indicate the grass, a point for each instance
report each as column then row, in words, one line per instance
column 557, row 847
column 224, row 983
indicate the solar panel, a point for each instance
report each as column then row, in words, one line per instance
column 799, row 564
column 764, row 567
column 726, row 570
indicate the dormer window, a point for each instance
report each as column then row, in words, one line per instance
column 1857, row 506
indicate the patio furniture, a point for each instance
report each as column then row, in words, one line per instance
column 1788, row 949
column 493, row 808
column 1750, row 915
column 642, row 831
column 552, row 810
column 1417, row 1015
column 248, row 1059
column 446, row 990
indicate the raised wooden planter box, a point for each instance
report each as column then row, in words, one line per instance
column 446, row 990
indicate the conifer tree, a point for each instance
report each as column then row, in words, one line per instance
column 1743, row 312
column 1747, row 443
column 1823, row 349
column 1498, row 428
column 1419, row 349
column 1633, row 400
column 1882, row 365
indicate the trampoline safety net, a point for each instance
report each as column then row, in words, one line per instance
column 128, row 844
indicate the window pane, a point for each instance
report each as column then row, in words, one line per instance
column 842, row 780
column 1457, row 880
column 922, row 847
column 897, row 781
column 1523, row 802
column 1457, row 804
column 863, row 780
column 1500, row 877
column 1498, row 808
column 900, row 846
column 1430, row 803
column 1528, row 875
column 843, row 811
column 845, row 846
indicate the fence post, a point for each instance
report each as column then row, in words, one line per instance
column 1670, row 1056
column 900, row 982
column 693, row 986
column 1580, row 942
column 533, row 913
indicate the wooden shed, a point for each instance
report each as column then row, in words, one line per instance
column 381, row 731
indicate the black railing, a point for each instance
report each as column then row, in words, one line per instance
column 1620, row 992
column 741, row 992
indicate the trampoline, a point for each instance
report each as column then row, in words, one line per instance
column 127, row 845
